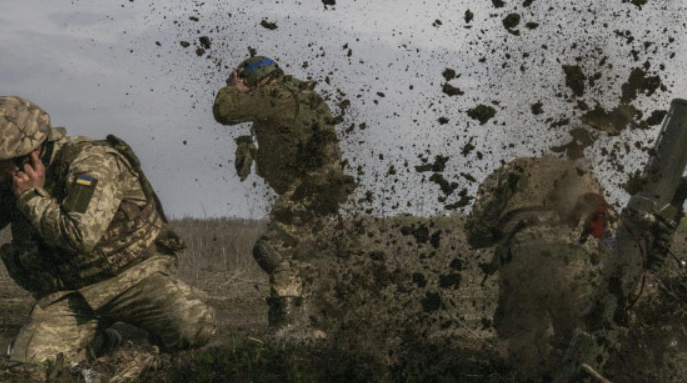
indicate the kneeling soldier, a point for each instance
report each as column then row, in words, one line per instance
column 90, row 242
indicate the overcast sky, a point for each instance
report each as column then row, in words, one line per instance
column 104, row 66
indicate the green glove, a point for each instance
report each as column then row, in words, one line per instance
column 245, row 153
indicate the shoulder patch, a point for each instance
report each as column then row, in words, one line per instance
column 84, row 180
column 79, row 194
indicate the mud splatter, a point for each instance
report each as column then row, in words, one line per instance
column 449, row 74
column 467, row 148
column 482, row 113
column 498, row 3
column 268, row 25
column 456, row 264
column 639, row 82
column 656, row 117
column 204, row 42
column 574, row 79
column 438, row 166
column 468, row 177
column 419, row 280
column 537, row 108
column 469, row 16
column 510, row 22
column 613, row 122
column 446, row 187
column 637, row 3
column 435, row 239
column 451, row 281
column 581, row 139
column 431, row 302
column 421, row 232
column 635, row 182
column 464, row 201
column 452, row 90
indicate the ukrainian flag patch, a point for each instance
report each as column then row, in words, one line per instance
column 79, row 194
column 84, row 180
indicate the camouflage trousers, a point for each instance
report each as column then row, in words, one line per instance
column 282, row 251
column 544, row 287
column 291, row 239
column 172, row 312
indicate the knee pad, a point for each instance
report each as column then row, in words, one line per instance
column 266, row 255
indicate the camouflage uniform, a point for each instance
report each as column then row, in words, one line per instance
column 540, row 213
column 93, row 247
column 299, row 157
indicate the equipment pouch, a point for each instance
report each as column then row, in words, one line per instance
column 29, row 268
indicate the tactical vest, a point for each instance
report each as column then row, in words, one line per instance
column 130, row 238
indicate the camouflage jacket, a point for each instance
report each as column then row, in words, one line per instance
column 91, row 221
column 536, row 195
column 294, row 129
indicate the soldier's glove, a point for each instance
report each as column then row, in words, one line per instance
column 245, row 153
column 662, row 231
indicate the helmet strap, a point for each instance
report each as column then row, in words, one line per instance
column 45, row 154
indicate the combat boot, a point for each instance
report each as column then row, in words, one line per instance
column 287, row 319
column 284, row 312
column 105, row 342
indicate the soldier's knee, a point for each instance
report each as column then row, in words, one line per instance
column 59, row 328
column 200, row 330
column 194, row 320
column 266, row 255
column 40, row 349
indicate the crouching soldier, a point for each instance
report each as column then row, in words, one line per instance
column 548, row 218
column 298, row 155
column 90, row 242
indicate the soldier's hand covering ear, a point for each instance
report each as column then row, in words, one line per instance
column 237, row 82
column 31, row 176
column 245, row 153
column 233, row 77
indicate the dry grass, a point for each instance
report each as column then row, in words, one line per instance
column 219, row 253
column 218, row 260
column 221, row 245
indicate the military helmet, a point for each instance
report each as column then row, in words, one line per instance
column 550, row 182
column 23, row 127
column 257, row 68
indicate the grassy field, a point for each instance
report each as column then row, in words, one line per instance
column 401, row 300
column 218, row 261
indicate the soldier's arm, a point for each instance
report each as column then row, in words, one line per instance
column 267, row 102
column 93, row 195
column 482, row 224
